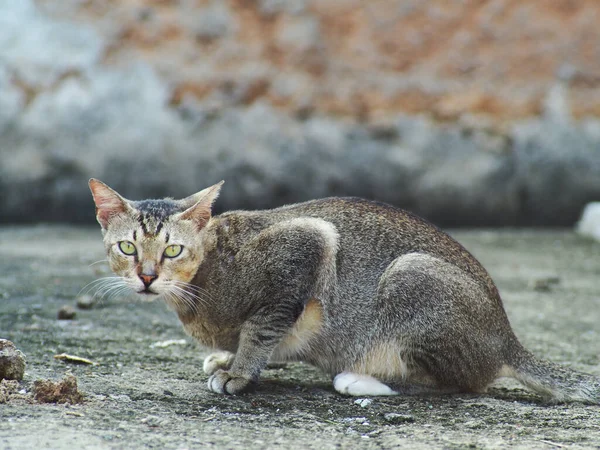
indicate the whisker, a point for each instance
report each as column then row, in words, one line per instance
column 98, row 262
column 180, row 297
column 107, row 287
column 188, row 295
column 194, row 289
column 175, row 301
column 201, row 297
column 119, row 291
column 93, row 284
column 115, row 289
column 172, row 300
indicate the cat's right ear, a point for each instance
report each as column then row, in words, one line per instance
column 108, row 202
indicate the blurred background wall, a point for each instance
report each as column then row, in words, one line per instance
column 468, row 112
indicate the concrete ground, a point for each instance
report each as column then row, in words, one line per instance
column 143, row 395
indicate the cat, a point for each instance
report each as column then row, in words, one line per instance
column 380, row 299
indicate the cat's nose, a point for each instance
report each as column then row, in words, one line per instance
column 147, row 279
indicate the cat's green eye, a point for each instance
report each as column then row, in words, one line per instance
column 127, row 248
column 173, row 251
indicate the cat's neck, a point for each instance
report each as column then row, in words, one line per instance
column 222, row 238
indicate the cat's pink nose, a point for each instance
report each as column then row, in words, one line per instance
column 147, row 279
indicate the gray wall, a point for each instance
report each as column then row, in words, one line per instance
column 65, row 116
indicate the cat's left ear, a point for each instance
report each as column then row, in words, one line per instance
column 199, row 205
column 108, row 202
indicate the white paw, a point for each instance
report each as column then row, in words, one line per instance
column 349, row 383
column 216, row 361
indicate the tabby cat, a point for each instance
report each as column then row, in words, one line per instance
column 380, row 299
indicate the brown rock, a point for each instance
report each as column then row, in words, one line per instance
column 12, row 361
column 64, row 391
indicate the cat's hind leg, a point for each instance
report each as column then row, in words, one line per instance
column 349, row 383
column 453, row 330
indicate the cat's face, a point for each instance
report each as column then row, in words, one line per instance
column 153, row 246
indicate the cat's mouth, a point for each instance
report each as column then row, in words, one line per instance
column 147, row 292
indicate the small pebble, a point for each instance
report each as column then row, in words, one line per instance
column 154, row 421
column 67, row 312
column 86, row 302
column 363, row 402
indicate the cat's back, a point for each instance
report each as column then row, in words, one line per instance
column 353, row 217
column 372, row 234
column 376, row 223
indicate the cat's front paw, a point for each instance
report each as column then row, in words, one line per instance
column 223, row 382
column 216, row 361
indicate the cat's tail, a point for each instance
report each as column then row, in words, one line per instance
column 555, row 383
